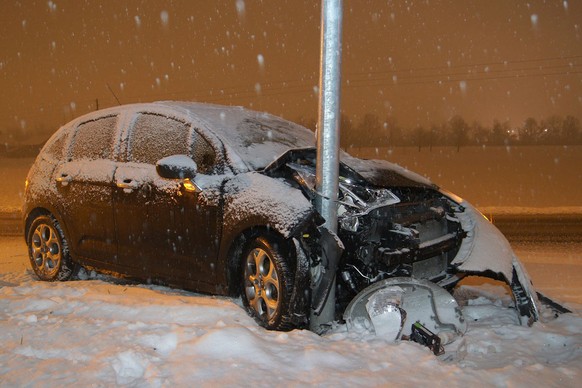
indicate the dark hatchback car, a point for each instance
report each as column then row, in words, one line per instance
column 219, row 200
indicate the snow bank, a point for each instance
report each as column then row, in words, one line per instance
column 101, row 331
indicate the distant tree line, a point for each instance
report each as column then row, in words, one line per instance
column 371, row 131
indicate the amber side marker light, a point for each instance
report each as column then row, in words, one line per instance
column 190, row 186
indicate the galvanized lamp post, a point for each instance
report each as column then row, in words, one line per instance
column 328, row 135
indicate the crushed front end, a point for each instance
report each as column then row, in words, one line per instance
column 409, row 233
column 395, row 224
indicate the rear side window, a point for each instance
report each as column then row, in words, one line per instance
column 154, row 137
column 55, row 146
column 94, row 139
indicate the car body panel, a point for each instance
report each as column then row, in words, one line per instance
column 86, row 192
column 385, row 174
column 167, row 228
column 254, row 199
column 485, row 248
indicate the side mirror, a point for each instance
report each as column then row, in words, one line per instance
column 176, row 167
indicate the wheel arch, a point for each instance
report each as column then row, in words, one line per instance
column 237, row 247
column 38, row 211
column 34, row 214
column 63, row 267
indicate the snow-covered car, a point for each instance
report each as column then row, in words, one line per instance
column 220, row 200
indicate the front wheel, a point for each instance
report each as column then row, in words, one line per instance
column 47, row 250
column 267, row 283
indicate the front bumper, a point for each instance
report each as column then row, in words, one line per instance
column 485, row 250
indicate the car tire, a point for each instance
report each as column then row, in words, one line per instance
column 267, row 283
column 48, row 251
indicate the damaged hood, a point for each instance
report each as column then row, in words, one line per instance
column 376, row 172
column 385, row 174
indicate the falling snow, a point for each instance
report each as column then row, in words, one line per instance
column 261, row 61
column 240, row 7
column 164, row 17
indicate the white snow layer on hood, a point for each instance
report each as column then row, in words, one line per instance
column 260, row 197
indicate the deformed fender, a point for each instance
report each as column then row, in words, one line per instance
column 485, row 249
column 254, row 199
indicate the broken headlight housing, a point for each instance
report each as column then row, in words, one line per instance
column 354, row 200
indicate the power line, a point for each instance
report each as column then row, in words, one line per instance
column 306, row 85
column 458, row 77
column 470, row 65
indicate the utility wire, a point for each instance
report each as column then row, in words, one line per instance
column 372, row 79
column 470, row 65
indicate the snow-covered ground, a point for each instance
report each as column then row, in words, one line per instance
column 101, row 332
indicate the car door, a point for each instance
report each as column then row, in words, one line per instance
column 165, row 231
column 85, row 188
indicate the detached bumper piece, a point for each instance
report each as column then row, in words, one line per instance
column 404, row 308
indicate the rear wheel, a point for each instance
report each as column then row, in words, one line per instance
column 47, row 250
column 267, row 283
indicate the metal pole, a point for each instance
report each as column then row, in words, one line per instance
column 327, row 168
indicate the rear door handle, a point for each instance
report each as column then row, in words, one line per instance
column 64, row 179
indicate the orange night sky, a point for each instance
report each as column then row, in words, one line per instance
column 417, row 62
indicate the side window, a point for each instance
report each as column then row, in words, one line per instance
column 94, row 139
column 154, row 137
column 55, row 145
column 203, row 154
